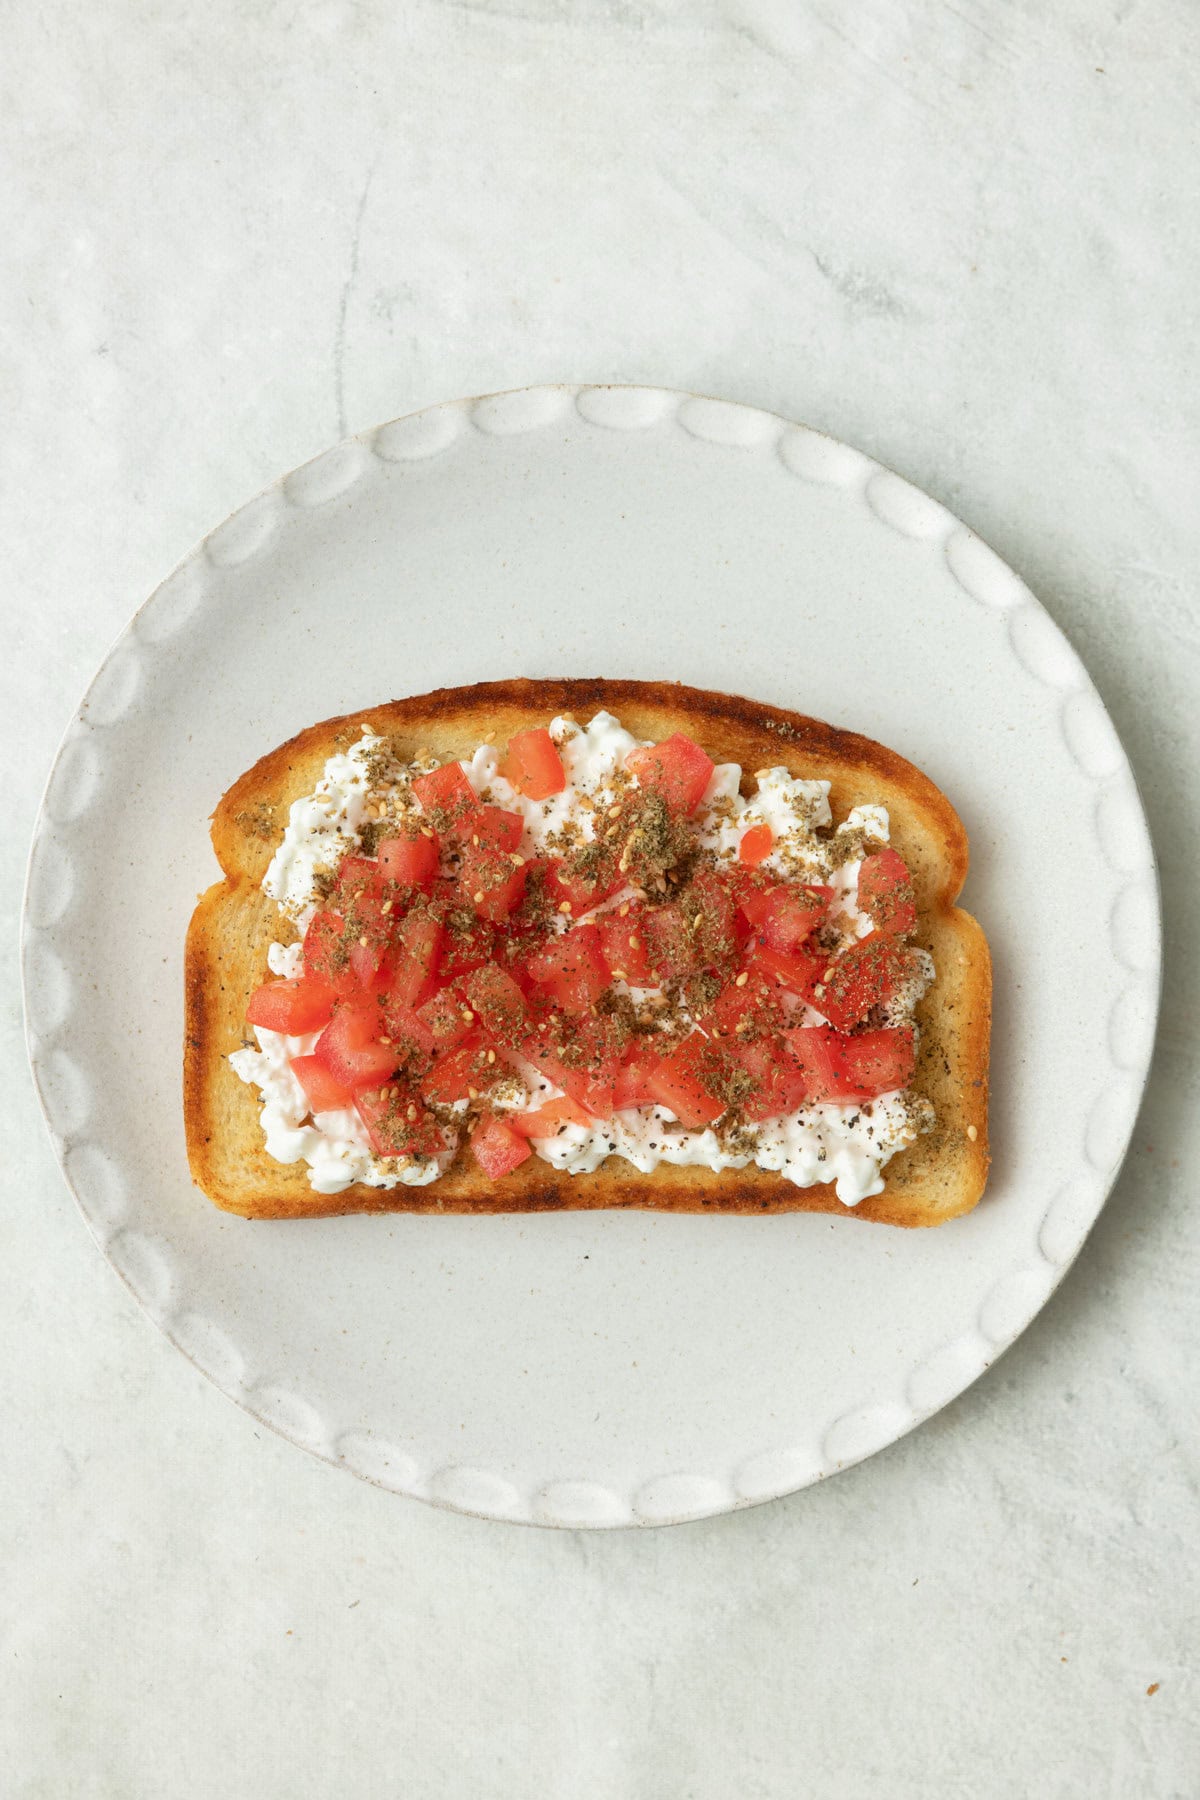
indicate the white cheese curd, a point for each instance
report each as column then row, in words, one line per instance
column 821, row 1142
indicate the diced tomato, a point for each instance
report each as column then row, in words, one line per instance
column 327, row 953
column 411, row 1037
column 878, row 1062
column 818, row 1054
column 885, row 893
column 783, row 917
column 491, row 882
column 710, row 911
column 673, row 947
column 496, row 829
column 349, row 1047
column 571, row 968
column 371, row 962
column 591, row 1087
column 580, row 893
column 533, row 764
column 866, row 975
column 755, row 1002
column 678, row 769
column 322, row 1092
column 418, row 946
column 756, row 845
column 462, row 1074
column 498, row 1002
column 496, row 1149
column 293, row 1006
column 443, row 1018
column 446, row 796
column 623, row 944
column 852, row 1068
column 410, row 861
column 684, row 1083
column 469, row 941
column 797, row 973
column 545, row 1121
column 631, row 1085
column 397, row 1122
column 779, row 1084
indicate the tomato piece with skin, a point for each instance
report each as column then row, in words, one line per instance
column 491, row 883
column 493, row 995
column 885, row 893
column 322, row 1091
column 413, row 971
column 295, row 1006
column 755, row 846
column 410, row 1036
column 866, row 975
column 463, row 1073
column 533, row 765
column 410, row 861
column 442, row 1017
column 797, row 973
column 818, row 1054
column 592, row 1088
column 683, row 1083
column 784, row 918
column 545, row 1121
column 779, row 1084
column 571, row 968
column 578, row 893
column 623, row 944
column 678, row 769
column 673, row 950
column 497, row 1149
column 711, row 914
column 879, row 1062
column 349, row 1047
column 630, row 1087
column 495, row 829
column 327, row 953
column 397, row 1122
column 754, row 1006
column 448, row 801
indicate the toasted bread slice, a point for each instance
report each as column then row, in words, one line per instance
column 936, row 1178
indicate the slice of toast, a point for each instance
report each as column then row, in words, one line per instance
column 939, row 1176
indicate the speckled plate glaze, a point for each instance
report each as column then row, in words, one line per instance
column 592, row 1369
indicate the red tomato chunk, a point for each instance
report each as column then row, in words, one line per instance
column 682, row 1082
column 885, row 893
column 411, row 861
column 349, row 1047
column 321, row 1090
column 496, row 1149
column 678, row 769
column 293, row 1007
column 533, row 765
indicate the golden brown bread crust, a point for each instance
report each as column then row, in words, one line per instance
column 941, row 1175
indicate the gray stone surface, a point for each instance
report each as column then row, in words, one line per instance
column 966, row 240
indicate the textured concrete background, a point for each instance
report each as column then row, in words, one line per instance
column 964, row 238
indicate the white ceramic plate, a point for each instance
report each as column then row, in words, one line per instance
column 592, row 1369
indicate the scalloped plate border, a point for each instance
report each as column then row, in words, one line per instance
column 1133, row 909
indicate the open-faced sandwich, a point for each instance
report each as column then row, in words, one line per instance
column 549, row 944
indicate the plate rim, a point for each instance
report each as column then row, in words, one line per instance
column 898, row 505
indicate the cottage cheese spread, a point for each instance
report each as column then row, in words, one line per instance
column 848, row 1145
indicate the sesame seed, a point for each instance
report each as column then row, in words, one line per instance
column 426, row 831
column 472, row 1093
column 386, row 907
column 565, row 906
column 491, row 1056
column 359, row 892
column 468, row 1017
column 385, row 1040
column 828, row 975
column 614, row 812
column 972, row 1132
column 475, row 839
column 412, row 1111
column 819, row 989
column 696, row 921
column 620, row 975
column 742, row 979
column 623, row 911
column 362, row 943
column 633, row 943
column 624, row 862
column 479, row 897
column 518, row 862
